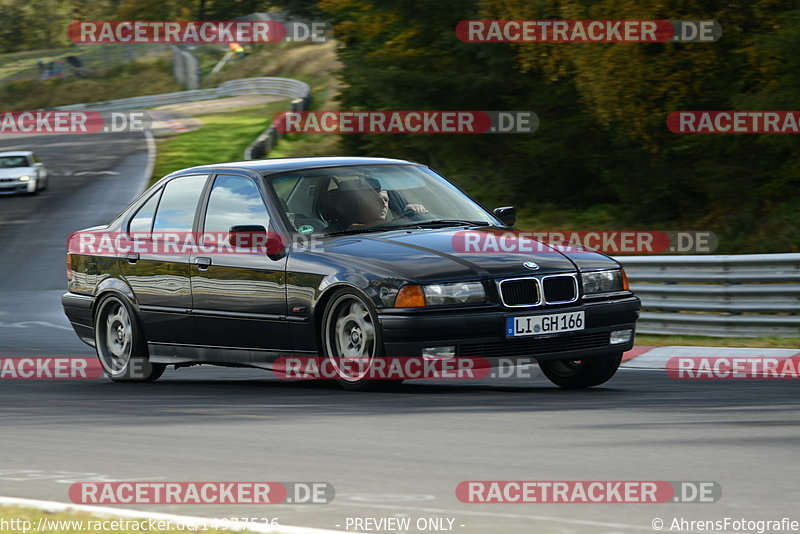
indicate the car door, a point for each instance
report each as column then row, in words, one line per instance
column 239, row 297
column 157, row 269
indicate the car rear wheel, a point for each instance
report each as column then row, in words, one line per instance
column 120, row 343
column 573, row 374
column 351, row 341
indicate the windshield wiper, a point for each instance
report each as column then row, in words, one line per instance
column 359, row 230
column 439, row 222
column 421, row 224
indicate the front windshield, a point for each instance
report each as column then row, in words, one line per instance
column 10, row 162
column 373, row 197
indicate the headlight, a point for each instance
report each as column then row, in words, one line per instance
column 24, row 178
column 458, row 293
column 603, row 282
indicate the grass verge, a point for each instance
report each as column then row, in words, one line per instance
column 223, row 137
column 704, row 341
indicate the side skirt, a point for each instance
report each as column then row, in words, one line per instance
column 171, row 354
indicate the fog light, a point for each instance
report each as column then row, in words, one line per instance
column 438, row 353
column 621, row 336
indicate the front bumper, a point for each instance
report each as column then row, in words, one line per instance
column 15, row 186
column 481, row 334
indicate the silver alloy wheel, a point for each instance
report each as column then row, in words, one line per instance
column 114, row 337
column 350, row 338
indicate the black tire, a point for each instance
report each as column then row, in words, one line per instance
column 120, row 343
column 570, row 374
column 331, row 349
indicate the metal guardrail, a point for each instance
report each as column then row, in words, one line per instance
column 725, row 296
column 247, row 86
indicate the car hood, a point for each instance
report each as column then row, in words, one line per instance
column 14, row 172
column 440, row 254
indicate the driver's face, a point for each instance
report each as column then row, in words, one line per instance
column 375, row 206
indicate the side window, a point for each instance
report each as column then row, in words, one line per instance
column 178, row 204
column 234, row 200
column 142, row 222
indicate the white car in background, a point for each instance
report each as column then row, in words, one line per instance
column 21, row 172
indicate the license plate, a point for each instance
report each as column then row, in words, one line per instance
column 535, row 325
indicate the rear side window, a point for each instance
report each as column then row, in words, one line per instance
column 142, row 222
column 178, row 204
column 234, row 200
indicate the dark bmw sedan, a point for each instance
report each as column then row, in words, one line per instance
column 338, row 259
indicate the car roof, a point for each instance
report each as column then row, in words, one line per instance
column 17, row 153
column 270, row 166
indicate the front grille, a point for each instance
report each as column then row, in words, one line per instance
column 8, row 180
column 560, row 289
column 522, row 292
column 531, row 347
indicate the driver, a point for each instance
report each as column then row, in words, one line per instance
column 366, row 204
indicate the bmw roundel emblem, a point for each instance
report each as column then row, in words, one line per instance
column 530, row 265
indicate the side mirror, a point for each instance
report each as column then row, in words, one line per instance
column 256, row 237
column 507, row 214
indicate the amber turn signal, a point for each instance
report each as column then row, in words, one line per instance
column 625, row 285
column 410, row 297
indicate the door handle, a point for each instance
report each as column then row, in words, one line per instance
column 132, row 257
column 202, row 262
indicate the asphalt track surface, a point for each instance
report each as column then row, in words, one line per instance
column 393, row 454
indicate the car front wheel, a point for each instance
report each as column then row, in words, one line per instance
column 120, row 343
column 351, row 341
column 573, row 374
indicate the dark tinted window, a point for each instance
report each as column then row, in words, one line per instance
column 178, row 204
column 234, row 200
column 142, row 222
column 9, row 162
